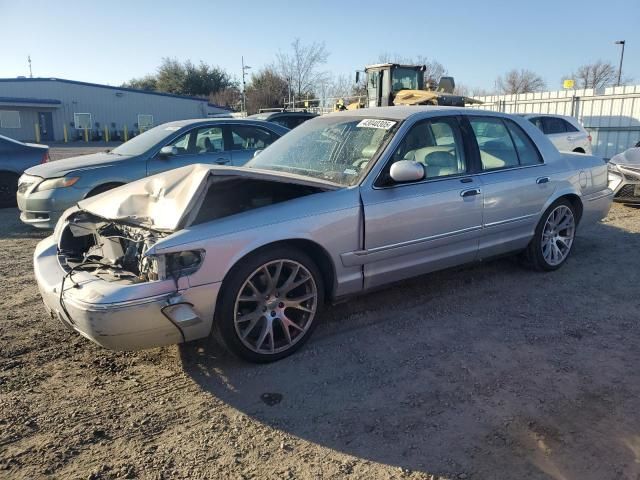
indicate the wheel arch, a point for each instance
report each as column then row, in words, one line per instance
column 573, row 198
column 579, row 150
column 101, row 188
column 316, row 251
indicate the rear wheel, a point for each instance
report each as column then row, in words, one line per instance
column 269, row 304
column 553, row 238
column 8, row 189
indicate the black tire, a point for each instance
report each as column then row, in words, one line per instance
column 103, row 188
column 224, row 321
column 533, row 255
column 8, row 189
column 579, row 150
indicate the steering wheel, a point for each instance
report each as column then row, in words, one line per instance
column 360, row 162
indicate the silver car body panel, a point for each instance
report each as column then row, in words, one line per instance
column 370, row 235
column 624, row 176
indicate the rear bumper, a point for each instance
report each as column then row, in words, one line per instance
column 121, row 317
column 596, row 206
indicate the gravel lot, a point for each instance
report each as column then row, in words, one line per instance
column 488, row 371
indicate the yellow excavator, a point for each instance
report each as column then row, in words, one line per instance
column 396, row 84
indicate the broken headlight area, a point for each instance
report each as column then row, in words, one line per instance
column 111, row 250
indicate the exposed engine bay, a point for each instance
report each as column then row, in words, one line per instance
column 111, row 250
column 116, row 250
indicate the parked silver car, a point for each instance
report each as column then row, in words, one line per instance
column 15, row 158
column 624, row 176
column 344, row 203
column 45, row 191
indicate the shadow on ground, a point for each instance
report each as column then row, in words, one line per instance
column 488, row 371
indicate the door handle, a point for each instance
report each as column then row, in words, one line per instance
column 571, row 138
column 541, row 180
column 470, row 193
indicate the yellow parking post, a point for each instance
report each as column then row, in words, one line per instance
column 66, row 134
column 106, row 133
column 126, row 133
column 37, row 127
column 86, row 135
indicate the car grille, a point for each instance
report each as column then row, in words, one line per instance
column 627, row 193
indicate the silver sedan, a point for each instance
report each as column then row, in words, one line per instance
column 343, row 204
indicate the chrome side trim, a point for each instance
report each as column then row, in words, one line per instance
column 360, row 257
column 510, row 220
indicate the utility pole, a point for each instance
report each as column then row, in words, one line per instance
column 620, row 42
column 30, row 71
column 244, row 86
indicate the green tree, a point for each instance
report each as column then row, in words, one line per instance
column 185, row 78
column 267, row 89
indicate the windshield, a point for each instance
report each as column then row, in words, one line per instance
column 333, row 148
column 405, row 79
column 143, row 142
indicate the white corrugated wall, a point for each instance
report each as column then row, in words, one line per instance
column 612, row 115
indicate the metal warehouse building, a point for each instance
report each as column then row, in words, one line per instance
column 45, row 109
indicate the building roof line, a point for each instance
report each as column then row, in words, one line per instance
column 123, row 89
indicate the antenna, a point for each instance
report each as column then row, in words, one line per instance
column 30, row 71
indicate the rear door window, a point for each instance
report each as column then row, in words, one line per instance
column 527, row 152
column 553, row 125
column 246, row 137
column 494, row 142
column 568, row 126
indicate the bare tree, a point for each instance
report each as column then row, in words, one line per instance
column 467, row 91
column 520, row 81
column 598, row 74
column 301, row 66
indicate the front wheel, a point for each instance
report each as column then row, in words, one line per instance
column 553, row 237
column 8, row 189
column 269, row 304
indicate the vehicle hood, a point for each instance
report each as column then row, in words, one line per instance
column 60, row 168
column 630, row 157
column 162, row 202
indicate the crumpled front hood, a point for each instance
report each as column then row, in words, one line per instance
column 629, row 157
column 60, row 168
column 162, row 201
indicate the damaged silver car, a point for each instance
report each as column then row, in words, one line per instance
column 343, row 204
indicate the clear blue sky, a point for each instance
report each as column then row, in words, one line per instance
column 112, row 41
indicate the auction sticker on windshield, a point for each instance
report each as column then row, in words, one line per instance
column 376, row 123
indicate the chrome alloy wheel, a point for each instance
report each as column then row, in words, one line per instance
column 558, row 234
column 275, row 306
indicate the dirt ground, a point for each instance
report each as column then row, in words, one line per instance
column 483, row 372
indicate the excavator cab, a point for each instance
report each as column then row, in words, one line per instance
column 385, row 80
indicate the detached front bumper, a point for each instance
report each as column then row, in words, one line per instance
column 123, row 317
column 43, row 209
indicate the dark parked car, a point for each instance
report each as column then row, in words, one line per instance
column 15, row 158
column 45, row 191
column 286, row 119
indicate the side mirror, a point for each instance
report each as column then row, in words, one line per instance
column 357, row 77
column 168, row 151
column 407, row 171
column 257, row 152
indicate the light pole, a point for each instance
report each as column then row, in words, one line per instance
column 620, row 42
column 244, row 88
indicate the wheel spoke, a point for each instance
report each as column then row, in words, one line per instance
column 266, row 290
column 251, row 326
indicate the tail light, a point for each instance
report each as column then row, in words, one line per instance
column 45, row 157
column 589, row 137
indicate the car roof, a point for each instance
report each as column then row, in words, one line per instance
column 268, row 115
column 405, row 112
column 531, row 115
column 210, row 121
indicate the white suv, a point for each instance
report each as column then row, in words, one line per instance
column 565, row 133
